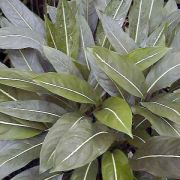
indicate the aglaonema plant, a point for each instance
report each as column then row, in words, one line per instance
column 93, row 90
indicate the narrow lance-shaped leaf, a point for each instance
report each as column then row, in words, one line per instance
column 74, row 150
column 115, row 34
column 138, row 20
column 16, row 154
column 165, row 109
column 162, row 126
column 52, row 11
column 21, row 16
column 32, row 110
column 145, row 57
column 115, row 166
column 124, row 73
column 88, row 172
column 52, row 139
column 61, row 62
column 66, row 30
column 68, row 86
column 19, row 38
column 170, row 7
column 116, row 114
column 164, row 73
column 159, row 156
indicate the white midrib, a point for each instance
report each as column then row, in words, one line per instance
column 114, row 167
column 158, row 36
column 119, row 74
column 150, row 12
column 74, row 124
column 87, row 170
column 80, row 146
column 31, row 110
column 138, row 22
column 52, row 37
column 166, row 107
column 171, row 126
column 19, row 15
column 17, row 35
column 65, row 29
column 20, row 154
column 140, row 138
column 158, row 156
column 142, row 60
column 85, row 54
column 105, row 37
column 121, row 122
column 20, row 51
column 152, row 85
column 8, row 95
column 68, row 90
column 14, row 124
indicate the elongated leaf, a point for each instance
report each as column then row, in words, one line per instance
column 75, row 150
column 21, row 16
column 61, row 62
column 65, row 123
column 165, row 109
column 116, row 114
column 162, row 126
column 155, row 37
column 25, row 59
column 86, row 40
column 115, row 166
column 88, row 172
column 138, row 20
column 19, row 79
column 124, row 73
column 117, row 37
column 19, row 38
column 67, row 30
column 172, row 97
column 170, row 7
column 102, row 79
column 16, row 154
column 159, row 156
column 68, row 86
column 32, row 110
column 145, row 57
column 164, row 73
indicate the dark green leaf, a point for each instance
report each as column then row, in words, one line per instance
column 116, row 114
column 88, row 172
column 115, row 166
column 68, row 86
column 123, row 72
column 159, row 156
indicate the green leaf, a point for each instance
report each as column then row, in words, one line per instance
column 86, row 39
column 115, row 166
column 16, row 154
column 32, row 110
column 52, row 139
column 52, row 11
column 159, row 157
column 25, row 59
column 138, row 20
column 123, row 72
column 117, row 37
column 146, row 57
column 88, row 172
column 61, row 62
column 172, row 97
column 164, row 73
column 116, row 114
column 165, row 109
column 68, row 86
column 21, row 16
column 170, row 7
column 19, row 79
column 74, row 150
column 67, row 30
column 19, row 38
column 162, row 126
